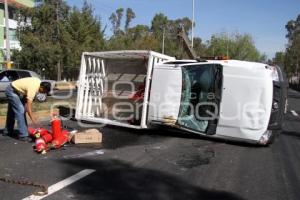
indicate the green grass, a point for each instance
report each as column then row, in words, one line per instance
column 36, row 106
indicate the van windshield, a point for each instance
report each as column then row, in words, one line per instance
column 198, row 96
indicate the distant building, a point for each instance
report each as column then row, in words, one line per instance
column 13, row 6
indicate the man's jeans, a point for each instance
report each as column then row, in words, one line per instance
column 16, row 111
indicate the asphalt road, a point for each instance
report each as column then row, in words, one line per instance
column 160, row 164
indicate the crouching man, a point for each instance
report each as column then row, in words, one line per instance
column 20, row 94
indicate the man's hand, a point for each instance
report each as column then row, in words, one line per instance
column 28, row 108
column 35, row 123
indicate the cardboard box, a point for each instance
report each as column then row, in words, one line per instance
column 87, row 136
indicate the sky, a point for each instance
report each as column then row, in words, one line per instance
column 264, row 20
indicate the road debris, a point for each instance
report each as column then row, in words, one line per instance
column 57, row 137
column 87, row 136
column 46, row 139
column 43, row 188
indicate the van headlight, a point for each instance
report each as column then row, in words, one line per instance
column 265, row 137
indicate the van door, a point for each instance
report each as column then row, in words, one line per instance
column 165, row 94
column 191, row 96
column 201, row 96
column 90, row 88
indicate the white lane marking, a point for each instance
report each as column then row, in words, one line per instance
column 294, row 113
column 64, row 183
column 87, row 154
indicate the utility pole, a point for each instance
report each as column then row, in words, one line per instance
column 297, row 66
column 8, row 63
column 163, row 42
column 192, row 39
column 227, row 48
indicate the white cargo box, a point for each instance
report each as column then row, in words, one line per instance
column 109, row 80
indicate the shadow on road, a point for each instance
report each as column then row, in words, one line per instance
column 290, row 117
column 14, row 135
column 156, row 131
column 116, row 180
column 116, row 137
column 291, row 133
column 294, row 95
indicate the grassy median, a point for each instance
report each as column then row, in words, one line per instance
column 48, row 105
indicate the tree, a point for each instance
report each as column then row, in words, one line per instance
column 119, row 17
column 56, row 38
column 158, row 23
column 129, row 16
column 115, row 19
column 292, row 59
column 40, row 41
column 138, row 32
column 279, row 59
column 83, row 33
column 161, row 24
column 236, row 46
column 289, row 65
column 199, row 47
column 58, row 35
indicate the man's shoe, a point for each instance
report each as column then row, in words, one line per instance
column 25, row 139
column 5, row 134
column 8, row 133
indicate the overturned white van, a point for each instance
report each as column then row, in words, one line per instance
column 229, row 99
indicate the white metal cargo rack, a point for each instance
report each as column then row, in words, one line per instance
column 93, row 79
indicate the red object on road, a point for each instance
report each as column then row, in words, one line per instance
column 40, row 145
column 61, row 140
column 37, row 132
column 31, row 131
column 66, row 133
column 47, row 138
column 58, row 137
column 58, row 142
column 56, row 127
column 43, row 131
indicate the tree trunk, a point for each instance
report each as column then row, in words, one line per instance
column 58, row 71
